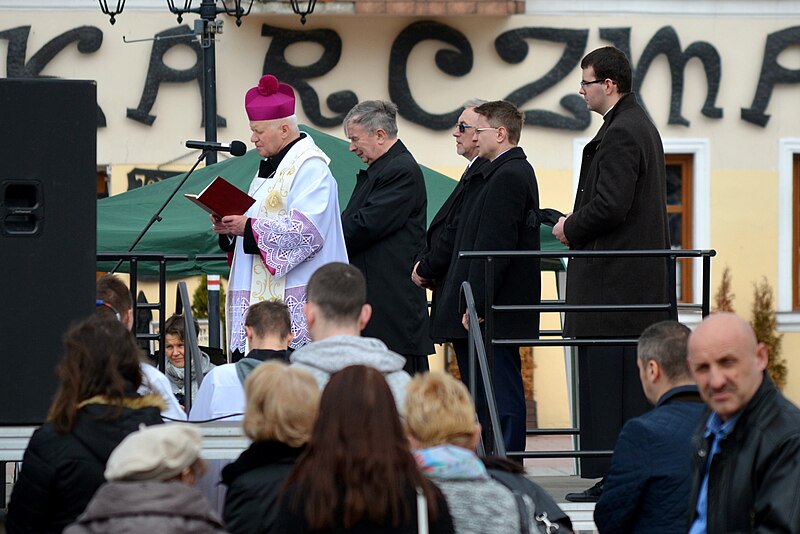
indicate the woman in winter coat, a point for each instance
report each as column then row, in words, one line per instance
column 151, row 477
column 357, row 473
column 440, row 420
column 282, row 404
column 94, row 408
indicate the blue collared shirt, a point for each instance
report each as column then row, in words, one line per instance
column 720, row 430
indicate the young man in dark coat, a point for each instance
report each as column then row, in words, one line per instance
column 384, row 230
column 650, row 477
column 620, row 204
column 501, row 198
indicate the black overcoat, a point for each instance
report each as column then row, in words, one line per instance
column 384, row 230
column 620, row 204
column 497, row 213
column 435, row 258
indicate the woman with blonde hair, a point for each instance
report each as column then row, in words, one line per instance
column 95, row 407
column 282, row 404
column 442, row 428
column 357, row 473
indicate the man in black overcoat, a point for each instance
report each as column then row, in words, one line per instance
column 620, row 204
column 384, row 230
column 432, row 269
column 498, row 213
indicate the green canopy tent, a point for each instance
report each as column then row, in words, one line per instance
column 185, row 228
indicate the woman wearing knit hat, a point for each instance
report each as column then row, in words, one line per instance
column 150, row 486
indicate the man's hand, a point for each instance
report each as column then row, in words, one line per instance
column 229, row 225
column 558, row 230
column 424, row 283
column 465, row 320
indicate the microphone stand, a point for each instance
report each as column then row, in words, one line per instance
column 157, row 215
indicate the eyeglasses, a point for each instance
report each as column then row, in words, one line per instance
column 479, row 130
column 584, row 83
column 463, row 127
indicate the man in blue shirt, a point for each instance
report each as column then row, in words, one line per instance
column 746, row 453
column 648, row 485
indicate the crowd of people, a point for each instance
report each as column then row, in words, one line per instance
column 329, row 337
column 331, row 449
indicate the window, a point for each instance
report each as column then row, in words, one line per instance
column 680, row 183
column 788, row 291
column 796, row 232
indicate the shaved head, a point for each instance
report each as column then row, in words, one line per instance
column 727, row 362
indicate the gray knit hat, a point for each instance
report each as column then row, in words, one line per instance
column 157, row 452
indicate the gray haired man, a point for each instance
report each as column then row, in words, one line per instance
column 384, row 230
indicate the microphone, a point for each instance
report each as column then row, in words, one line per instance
column 236, row 148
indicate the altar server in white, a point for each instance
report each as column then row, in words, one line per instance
column 221, row 395
column 293, row 228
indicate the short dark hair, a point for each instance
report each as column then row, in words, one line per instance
column 665, row 342
column 610, row 63
column 501, row 113
column 339, row 291
column 269, row 317
column 175, row 326
column 114, row 292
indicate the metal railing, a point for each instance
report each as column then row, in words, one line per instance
column 134, row 259
column 481, row 350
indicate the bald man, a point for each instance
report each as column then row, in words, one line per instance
column 746, row 453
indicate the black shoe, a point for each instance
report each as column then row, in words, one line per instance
column 590, row 495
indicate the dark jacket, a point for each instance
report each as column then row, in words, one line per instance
column 498, row 213
column 384, row 230
column 648, row 485
column 254, row 481
column 147, row 507
column 754, row 483
column 512, row 476
column 434, row 260
column 61, row 471
column 620, row 204
column 292, row 521
column 436, row 257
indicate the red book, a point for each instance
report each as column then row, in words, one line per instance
column 222, row 198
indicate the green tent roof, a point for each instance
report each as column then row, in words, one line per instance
column 186, row 229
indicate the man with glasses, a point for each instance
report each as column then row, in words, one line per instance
column 384, row 229
column 499, row 206
column 432, row 269
column 620, row 204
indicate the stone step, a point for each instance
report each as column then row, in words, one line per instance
column 582, row 516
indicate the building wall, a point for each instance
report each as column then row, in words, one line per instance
column 430, row 65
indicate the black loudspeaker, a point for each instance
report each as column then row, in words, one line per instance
column 48, row 172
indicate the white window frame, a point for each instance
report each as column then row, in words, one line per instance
column 788, row 319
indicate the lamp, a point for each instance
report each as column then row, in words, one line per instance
column 208, row 9
column 112, row 12
column 306, row 9
column 236, row 10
